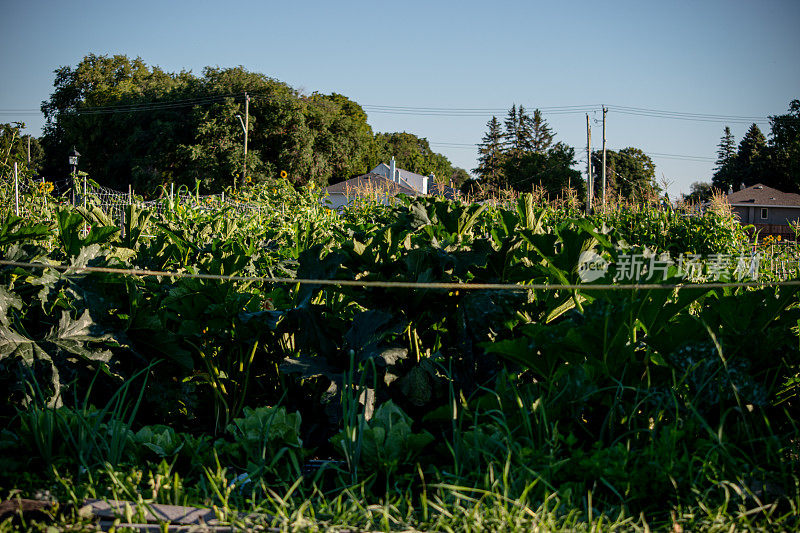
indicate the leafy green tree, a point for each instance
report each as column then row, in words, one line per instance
column 491, row 156
column 700, row 192
column 140, row 125
column 411, row 153
column 630, row 173
column 100, row 107
column 343, row 140
column 458, row 177
column 14, row 149
column 552, row 170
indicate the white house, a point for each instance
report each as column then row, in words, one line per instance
column 411, row 180
column 380, row 184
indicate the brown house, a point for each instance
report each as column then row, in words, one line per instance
column 769, row 210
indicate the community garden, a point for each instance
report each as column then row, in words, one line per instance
column 429, row 365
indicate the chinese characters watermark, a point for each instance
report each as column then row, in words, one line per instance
column 647, row 266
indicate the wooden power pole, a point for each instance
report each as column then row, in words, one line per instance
column 605, row 110
column 246, row 127
column 588, row 166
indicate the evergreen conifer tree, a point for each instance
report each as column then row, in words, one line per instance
column 510, row 136
column 727, row 148
column 748, row 166
column 490, row 160
column 524, row 137
column 541, row 134
column 725, row 172
column 784, row 146
column 751, row 158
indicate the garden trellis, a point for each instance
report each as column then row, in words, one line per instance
column 113, row 202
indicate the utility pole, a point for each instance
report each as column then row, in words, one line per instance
column 16, row 189
column 246, row 127
column 605, row 110
column 588, row 166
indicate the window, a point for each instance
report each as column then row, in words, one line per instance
column 764, row 213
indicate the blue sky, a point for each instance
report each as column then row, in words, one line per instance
column 730, row 58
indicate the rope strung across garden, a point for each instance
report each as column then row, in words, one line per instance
column 72, row 269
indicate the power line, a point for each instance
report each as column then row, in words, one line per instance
column 151, row 106
column 468, row 112
column 659, row 155
column 680, row 157
column 681, row 115
column 429, row 111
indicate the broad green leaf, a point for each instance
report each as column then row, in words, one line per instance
column 78, row 336
column 8, row 301
column 14, row 344
column 14, row 230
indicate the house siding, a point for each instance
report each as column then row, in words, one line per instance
column 782, row 215
column 775, row 215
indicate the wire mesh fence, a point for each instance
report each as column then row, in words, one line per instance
column 113, row 202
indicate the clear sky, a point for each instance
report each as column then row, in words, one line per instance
column 734, row 58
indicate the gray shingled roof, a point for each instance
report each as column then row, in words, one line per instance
column 440, row 189
column 759, row 194
column 370, row 183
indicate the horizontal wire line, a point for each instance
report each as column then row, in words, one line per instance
column 70, row 269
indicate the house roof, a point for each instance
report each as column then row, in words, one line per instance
column 440, row 189
column 407, row 178
column 370, row 183
column 761, row 195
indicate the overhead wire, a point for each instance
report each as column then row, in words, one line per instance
column 427, row 111
column 432, row 111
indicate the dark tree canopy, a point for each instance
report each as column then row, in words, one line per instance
column 511, row 138
column 700, row 192
column 727, row 148
column 141, row 125
column 525, row 133
column 491, row 155
column 522, row 155
column 541, row 134
column 774, row 162
column 630, row 173
column 748, row 166
column 784, row 144
column 551, row 170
